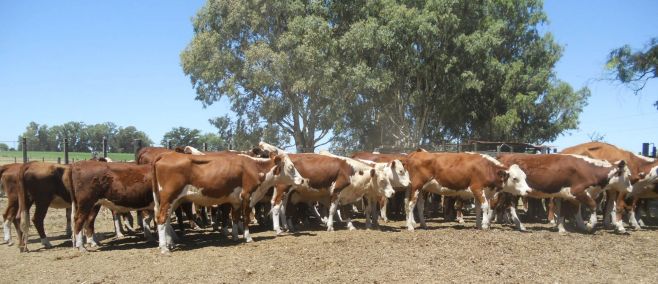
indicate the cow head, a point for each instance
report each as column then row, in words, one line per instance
column 619, row 177
column 397, row 174
column 285, row 172
column 381, row 182
column 514, row 181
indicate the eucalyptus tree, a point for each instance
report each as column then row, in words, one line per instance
column 276, row 62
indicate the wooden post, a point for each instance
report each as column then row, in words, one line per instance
column 59, row 160
column 24, row 146
column 205, row 147
column 104, row 147
column 169, row 144
column 137, row 145
column 66, row 151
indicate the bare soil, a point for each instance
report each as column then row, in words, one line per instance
column 445, row 252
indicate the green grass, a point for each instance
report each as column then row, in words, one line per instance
column 52, row 156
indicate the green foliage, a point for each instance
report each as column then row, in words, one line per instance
column 380, row 72
column 635, row 68
column 4, row 147
column 182, row 136
column 82, row 137
column 51, row 156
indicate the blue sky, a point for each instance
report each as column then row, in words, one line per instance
column 98, row 61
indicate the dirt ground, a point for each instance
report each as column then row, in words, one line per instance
column 445, row 252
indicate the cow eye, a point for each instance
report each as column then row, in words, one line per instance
column 515, row 180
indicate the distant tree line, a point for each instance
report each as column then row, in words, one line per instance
column 82, row 137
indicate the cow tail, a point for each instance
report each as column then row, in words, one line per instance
column 70, row 186
column 23, row 210
column 155, row 186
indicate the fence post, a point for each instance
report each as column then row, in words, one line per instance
column 137, row 145
column 24, row 146
column 59, row 160
column 169, row 144
column 104, row 147
column 66, row 151
column 205, row 147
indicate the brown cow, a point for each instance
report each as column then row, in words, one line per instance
column 644, row 172
column 43, row 185
column 464, row 175
column 121, row 187
column 9, row 183
column 571, row 177
column 215, row 179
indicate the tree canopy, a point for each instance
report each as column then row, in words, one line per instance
column 367, row 73
column 82, row 137
column 635, row 68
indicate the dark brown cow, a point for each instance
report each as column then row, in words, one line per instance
column 43, row 185
column 9, row 183
column 121, row 187
column 215, row 179
column 644, row 172
column 464, row 175
column 576, row 179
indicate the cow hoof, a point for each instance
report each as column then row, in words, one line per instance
column 10, row 243
column 46, row 244
column 351, row 228
column 410, row 229
column 562, row 233
column 551, row 222
column 82, row 249
column 637, row 228
column 165, row 252
column 330, row 229
column 623, row 232
column 461, row 221
column 249, row 240
column 120, row 236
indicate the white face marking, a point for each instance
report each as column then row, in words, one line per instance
column 620, row 183
column 193, row 151
column 596, row 162
column 516, row 182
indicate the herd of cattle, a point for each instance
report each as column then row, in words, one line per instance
column 162, row 181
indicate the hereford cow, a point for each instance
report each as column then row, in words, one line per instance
column 121, row 187
column 398, row 187
column 464, row 175
column 644, row 173
column 43, row 185
column 577, row 179
column 9, row 183
column 215, row 179
column 335, row 181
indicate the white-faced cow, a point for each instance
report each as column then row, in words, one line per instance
column 644, row 176
column 576, row 179
column 208, row 180
column 461, row 174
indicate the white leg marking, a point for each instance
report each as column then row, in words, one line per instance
column 247, row 236
column 633, row 220
column 332, row 212
column 117, row 226
column 276, row 219
column 515, row 218
column 6, row 227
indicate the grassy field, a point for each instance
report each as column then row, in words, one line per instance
column 10, row 156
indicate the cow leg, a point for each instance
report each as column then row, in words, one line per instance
column 140, row 218
column 482, row 210
column 332, row 211
column 383, row 202
column 117, row 225
column 458, row 209
column 420, row 208
column 276, row 218
column 579, row 219
column 38, row 218
column 235, row 217
column 144, row 217
column 551, row 210
column 515, row 219
column 631, row 214
column 128, row 220
column 585, row 199
column 369, row 211
column 68, row 222
column 409, row 210
column 608, row 218
column 179, row 218
column 9, row 217
column 615, row 214
column 89, row 228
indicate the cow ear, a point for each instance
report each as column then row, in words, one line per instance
column 621, row 164
column 372, row 172
column 642, row 175
column 277, row 159
column 393, row 165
